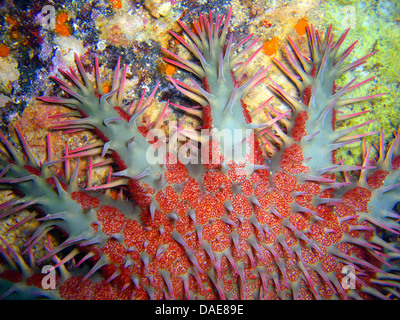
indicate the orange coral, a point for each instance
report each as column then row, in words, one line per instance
column 117, row 4
column 4, row 51
column 61, row 27
column 169, row 69
column 63, row 30
column 62, row 18
column 301, row 26
column 270, row 47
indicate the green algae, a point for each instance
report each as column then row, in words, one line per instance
column 375, row 25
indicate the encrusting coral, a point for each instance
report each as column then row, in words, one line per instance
column 267, row 212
